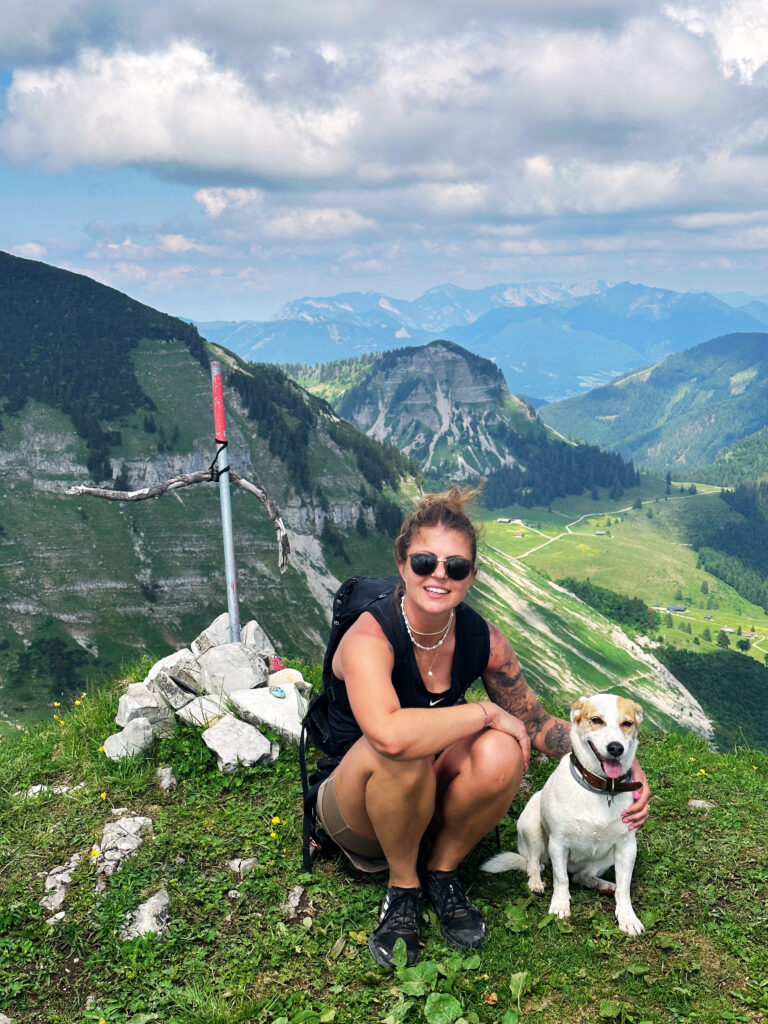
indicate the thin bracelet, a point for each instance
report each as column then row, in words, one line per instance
column 485, row 714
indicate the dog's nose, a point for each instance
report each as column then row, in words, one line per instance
column 615, row 749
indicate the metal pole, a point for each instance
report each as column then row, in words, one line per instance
column 222, row 464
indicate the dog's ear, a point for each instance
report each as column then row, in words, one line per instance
column 631, row 708
column 576, row 710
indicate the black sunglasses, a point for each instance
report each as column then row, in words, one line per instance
column 456, row 568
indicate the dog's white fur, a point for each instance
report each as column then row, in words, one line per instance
column 580, row 830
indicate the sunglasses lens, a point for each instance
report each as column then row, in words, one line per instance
column 457, row 567
column 423, row 564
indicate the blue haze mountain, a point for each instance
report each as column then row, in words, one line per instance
column 551, row 341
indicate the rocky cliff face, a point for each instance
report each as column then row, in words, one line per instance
column 449, row 410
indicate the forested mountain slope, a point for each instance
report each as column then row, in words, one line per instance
column 87, row 394
column 680, row 412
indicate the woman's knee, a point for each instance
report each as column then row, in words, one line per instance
column 496, row 761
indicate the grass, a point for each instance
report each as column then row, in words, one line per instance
column 636, row 555
column 699, row 887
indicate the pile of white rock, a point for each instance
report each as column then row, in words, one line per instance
column 228, row 689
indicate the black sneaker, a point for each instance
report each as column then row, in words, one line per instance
column 461, row 923
column 400, row 918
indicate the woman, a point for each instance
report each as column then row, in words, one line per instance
column 424, row 754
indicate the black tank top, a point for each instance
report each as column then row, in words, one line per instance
column 471, row 651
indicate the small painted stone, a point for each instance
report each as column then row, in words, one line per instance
column 276, row 664
column 277, row 691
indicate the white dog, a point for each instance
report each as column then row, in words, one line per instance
column 575, row 820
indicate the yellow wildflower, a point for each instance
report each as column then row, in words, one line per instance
column 275, row 820
column 283, row 821
column 273, row 835
column 101, row 749
column 95, row 851
column 692, row 759
column 57, row 703
column 701, row 772
column 104, row 796
column 78, row 702
column 82, row 696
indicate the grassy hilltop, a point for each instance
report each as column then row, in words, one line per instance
column 231, row 954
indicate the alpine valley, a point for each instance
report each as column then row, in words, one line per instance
column 95, row 387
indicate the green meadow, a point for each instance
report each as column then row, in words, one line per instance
column 639, row 552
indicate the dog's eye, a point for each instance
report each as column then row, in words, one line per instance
column 597, row 720
column 627, row 725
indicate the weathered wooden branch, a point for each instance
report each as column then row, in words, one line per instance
column 200, row 477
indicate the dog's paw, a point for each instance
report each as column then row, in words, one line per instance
column 630, row 924
column 561, row 907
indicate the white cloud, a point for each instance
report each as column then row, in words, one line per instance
column 216, row 200
column 179, row 243
column 29, row 250
column 317, row 224
column 175, row 106
column 738, row 28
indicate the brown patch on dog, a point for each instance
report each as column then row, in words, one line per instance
column 581, row 712
column 629, row 710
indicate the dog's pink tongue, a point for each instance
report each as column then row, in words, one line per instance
column 612, row 768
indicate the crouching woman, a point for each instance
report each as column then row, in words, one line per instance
column 420, row 755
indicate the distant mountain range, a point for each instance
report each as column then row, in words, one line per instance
column 680, row 413
column 551, row 341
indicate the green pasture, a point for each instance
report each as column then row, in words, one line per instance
column 627, row 551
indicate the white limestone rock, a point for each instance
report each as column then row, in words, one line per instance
column 203, row 711
column 56, row 883
column 136, row 738
column 254, row 636
column 168, row 663
column 120, row 840
column 290, row 675
column 169, row 691
column 242, row 865
column 230, row 667
column 189, row 675
column 166, row 779
column 140, row 702
column 151, row 917
column 236, row 743
column 215, row 634
column 283, row 714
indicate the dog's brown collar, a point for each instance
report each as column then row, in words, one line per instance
column 603, row 785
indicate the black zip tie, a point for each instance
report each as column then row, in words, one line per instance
column 216, row 473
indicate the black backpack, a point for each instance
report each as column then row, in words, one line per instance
column 353, row 597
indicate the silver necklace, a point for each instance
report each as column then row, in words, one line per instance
column 415, row 642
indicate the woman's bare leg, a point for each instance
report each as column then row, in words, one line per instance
column 392, row 801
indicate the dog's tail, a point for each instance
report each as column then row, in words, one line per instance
column 505, row 862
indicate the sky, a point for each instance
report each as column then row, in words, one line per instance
column 216, row 160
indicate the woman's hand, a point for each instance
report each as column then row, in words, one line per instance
column 498, row 718
column 637, row 814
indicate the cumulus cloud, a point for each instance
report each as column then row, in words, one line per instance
column 349, row 131
column 174, row 106
column 30, row 250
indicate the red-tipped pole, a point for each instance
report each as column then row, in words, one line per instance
column 222, row 464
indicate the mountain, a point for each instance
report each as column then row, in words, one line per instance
column 93, row 384
column 739, row 462
column 551, row 341
column 679, row 413
column 453, row 414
